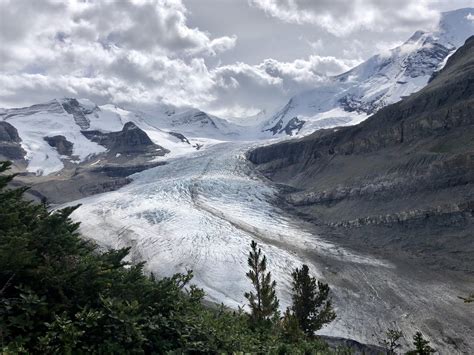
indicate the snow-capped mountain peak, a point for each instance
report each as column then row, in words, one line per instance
column 74, row 124
column 383, row 79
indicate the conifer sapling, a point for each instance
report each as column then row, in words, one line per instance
column 263, row 302
column 311, row 302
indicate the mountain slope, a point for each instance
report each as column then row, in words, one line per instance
column 400, row 186
column 383, row 79
column 65, row 132
column 10, row 147
column 190, row 122
column 412, row 163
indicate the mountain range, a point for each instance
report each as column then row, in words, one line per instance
column 342, row 100
column 367, row 178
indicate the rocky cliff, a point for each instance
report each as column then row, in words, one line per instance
column 10, row 147
column 131, row 140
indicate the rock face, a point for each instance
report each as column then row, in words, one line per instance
column 291, row 128
column 78, row 111
column 131, row 140
column 8, row 133
column 10, row 147
column 180, row 136
column 62, row 145
column 404, row 177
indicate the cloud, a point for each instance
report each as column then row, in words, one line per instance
column 32, row 31
column 309, row 70
column 147, row 25
column 340, row 17
column 151, row 55
column 129, row 79
column 120, row 51
column 271, row 81
column 149, row 51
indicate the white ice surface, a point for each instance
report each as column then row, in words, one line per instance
column 42, row 158
column 200, row 212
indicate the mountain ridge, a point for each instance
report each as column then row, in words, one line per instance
column 44, row 129
column 351, row 97
column 400, row 185
column 348, row 176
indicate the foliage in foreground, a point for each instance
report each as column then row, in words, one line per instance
column 422, row 346
column 392, row 340
column 311, row 302
column 468, row 299
column 263, row 302
column 58, row 294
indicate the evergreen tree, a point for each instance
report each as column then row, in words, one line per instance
column 391, row 341
column 290, row 328
column 311, row 302
column 422, row 346
column 263, row 303
column 468, row 299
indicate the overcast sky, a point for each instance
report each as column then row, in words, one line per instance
column 229, row 57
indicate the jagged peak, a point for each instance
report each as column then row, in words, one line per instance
column 129, row 126
column 383, row 78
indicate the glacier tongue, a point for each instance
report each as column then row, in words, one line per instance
column 200, row 212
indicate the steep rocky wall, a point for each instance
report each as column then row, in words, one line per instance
column 395, row 180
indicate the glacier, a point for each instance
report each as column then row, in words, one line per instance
column 200, row 211
column 202, row 208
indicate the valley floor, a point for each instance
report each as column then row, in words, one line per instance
column 200, row 212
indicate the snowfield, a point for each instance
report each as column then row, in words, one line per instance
column 42, row 158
